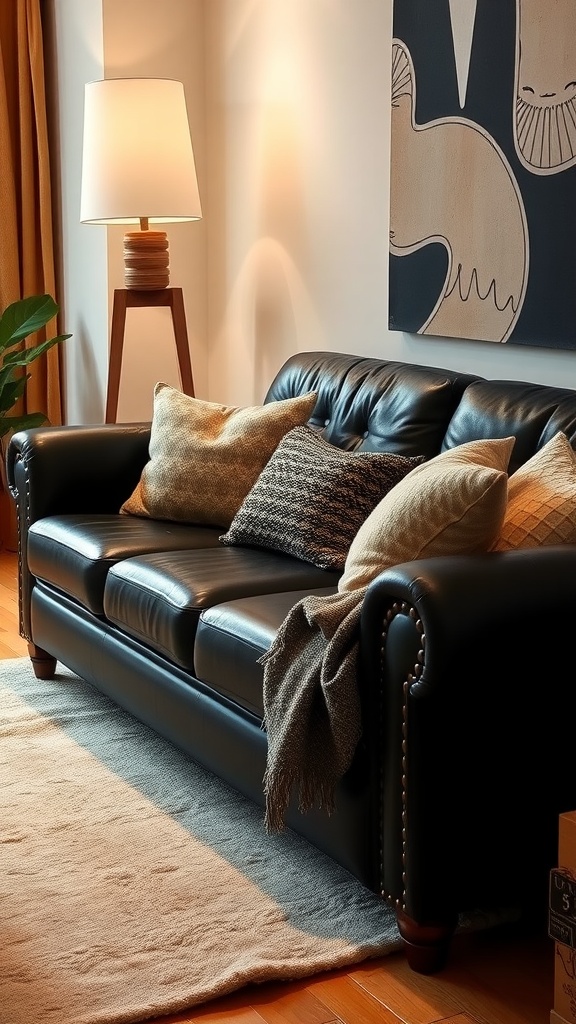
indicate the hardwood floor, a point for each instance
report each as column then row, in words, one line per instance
column 11, row 643
column 496, row 977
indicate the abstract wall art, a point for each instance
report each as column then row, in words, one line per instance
column 482, row 170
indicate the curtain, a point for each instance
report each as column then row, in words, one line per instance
column 27, row 262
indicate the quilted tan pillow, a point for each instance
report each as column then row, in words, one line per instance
column 452, row 504
column 542, row 499
column 204, row 458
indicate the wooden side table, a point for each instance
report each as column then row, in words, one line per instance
column 125, row 298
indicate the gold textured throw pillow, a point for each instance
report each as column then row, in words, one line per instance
column 204, row 458
column 454, row 504
column 541, row 506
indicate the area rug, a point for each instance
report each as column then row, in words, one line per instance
column 134, row 884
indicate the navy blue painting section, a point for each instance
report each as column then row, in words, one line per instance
column 548, row 316
column 415, row 281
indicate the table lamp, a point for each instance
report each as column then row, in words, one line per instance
column 138, row 168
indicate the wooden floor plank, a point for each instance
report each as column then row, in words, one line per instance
column 417, row 998
column 350, row 1002
column 462, row 1018
column 210, row 1015
column 510, row 988
column 11, row 646
column 232, row 1009
column 294, row 1005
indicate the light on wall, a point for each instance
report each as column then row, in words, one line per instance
column 138, row 168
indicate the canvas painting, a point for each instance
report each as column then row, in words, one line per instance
column 483, row 176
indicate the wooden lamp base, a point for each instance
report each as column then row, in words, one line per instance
column 146, row 260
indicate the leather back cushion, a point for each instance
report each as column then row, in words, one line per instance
column 532, row 413
column 381, row 405
column 374, row 405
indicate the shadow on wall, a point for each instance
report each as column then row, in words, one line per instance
column 270, row 309
column 274, row 317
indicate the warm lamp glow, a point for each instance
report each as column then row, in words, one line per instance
column 138, row 168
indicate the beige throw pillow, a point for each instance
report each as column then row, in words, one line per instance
column 452, row 504
column 542, row 499
column 204, row 458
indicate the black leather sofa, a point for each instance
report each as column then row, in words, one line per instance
column 465, row 667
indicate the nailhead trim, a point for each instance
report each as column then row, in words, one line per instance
column 399, row 608
column 18, row 499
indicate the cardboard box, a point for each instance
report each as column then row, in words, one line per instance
column 563, row 922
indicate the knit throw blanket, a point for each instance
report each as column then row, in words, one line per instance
column 311, row 703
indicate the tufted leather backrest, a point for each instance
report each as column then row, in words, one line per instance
column 382, row 405
column 373, row 404
column 532, row 413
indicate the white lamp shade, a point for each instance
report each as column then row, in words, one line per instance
column 138, row 160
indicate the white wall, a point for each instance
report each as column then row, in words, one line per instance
column 298, row 142
column 297, row 121
column 289, row 108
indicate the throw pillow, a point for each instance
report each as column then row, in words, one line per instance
column 452, row 504
column 204, row 458
column 541, row 506
column 311, row 498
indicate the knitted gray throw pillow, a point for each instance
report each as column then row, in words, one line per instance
column 311, row 498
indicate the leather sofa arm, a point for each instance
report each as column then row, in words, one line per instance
column 464, row 600
column 469, row 710
column 71, row 469
column 66, row 470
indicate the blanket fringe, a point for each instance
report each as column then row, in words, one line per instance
column 311, row 794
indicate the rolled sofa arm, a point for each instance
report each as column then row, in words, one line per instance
column 66, row 470
column 58, row 470
column 469, row 709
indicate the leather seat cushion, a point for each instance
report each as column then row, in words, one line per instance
column 232, row 636
column 158, row 598
column 75, row 552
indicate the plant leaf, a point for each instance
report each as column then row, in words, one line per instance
column 24, row 317
column 14, row 423
column 10, row 392
column 19, row 320
column 26, row 355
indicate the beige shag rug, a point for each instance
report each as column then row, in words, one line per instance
column 134, row 884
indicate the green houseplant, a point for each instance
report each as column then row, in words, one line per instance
column 19, row 320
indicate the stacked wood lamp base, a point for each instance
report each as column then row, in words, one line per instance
column 146, row 260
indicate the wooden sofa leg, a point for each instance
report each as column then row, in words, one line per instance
column 44, row 664
column 426, row 946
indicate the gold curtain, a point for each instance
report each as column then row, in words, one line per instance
column 27, row 263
